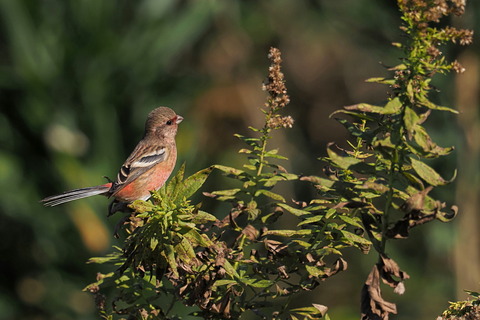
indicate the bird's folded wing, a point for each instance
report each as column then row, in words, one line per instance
column 140, row 161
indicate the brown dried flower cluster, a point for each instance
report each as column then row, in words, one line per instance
column 275, row 86
column 432, row 10
column 277, row 122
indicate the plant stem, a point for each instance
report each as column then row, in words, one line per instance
column 264, row 139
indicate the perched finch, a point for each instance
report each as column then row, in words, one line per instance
column 146, row 169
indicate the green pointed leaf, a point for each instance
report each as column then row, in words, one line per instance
column 318, row 180
column 169, row 254
column 171, row 187
column 258, row 283
column 202, row 217
column 288, row 233
column 315, row 310
column 354, row 114
column 294, row 211
column 353, row 238
column 314, row 271
column 271, row 181
column 185, row 250
column 274, row 154
column 428, row 174
column 414, row 179
column 153, row 243
column 350, row 163
column 410, row 119
column 392, row 107
column 228, row 192
column 230, row 270
column 254, row 142
column 198, row 239
column 190, row 185
column 270, row 194
column 140, row 206
column 250, row 167
column 302, row 243
column 381, row 80
column 311, row 220
column 229, row 170
column 353, row 221
column 430, row 105
column 342, row 162
column 224, row 282
column 430, row 149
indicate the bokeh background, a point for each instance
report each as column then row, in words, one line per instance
column 77, row 79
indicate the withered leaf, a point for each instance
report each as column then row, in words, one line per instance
column 416, row 201
column 250, row 232
column 340, row 265
column 390, row 268
column 373, row 306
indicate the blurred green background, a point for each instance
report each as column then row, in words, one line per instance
column 78, row 78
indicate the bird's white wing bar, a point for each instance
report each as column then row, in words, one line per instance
column 150, row 159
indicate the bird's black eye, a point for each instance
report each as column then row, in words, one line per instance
column 169, row 122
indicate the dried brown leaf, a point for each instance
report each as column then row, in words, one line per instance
column 374, row 307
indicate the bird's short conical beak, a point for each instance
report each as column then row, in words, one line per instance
column 179, row 119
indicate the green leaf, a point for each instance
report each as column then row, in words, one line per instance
column 189, row 186
column 318, row 180
column 169, row 254
column 288, row 233
column 198, row 239
column 140, row 206
column 169, row 190
column 430, row 149
column 201, row 217
column 314, row 312
column 228, row 192
column 269, row 194
column 314, row 271
column 430, row 105
column 311, row 220
column 428, row 174
column 392, row 107
column 381, row 80
column 257, row 283
column 274, row 154
column 185, row 251
column 342, row 162
column 153, row 243
column 233, row 172
column 250, row 167
column 355, row 114
column 224, row 282
column 353, row 238
column 294, row 211
column 410, row 119
column 254, row 142
column 353, row 221
column 302, row 243
column 350, row 163
column 230, row 270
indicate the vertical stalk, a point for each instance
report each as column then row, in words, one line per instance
column 264, row 139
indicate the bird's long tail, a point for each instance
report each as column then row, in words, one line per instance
column 76, row 194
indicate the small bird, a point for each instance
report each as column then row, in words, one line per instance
column 146, row 169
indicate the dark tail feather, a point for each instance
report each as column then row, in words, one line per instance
column 76, row 194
